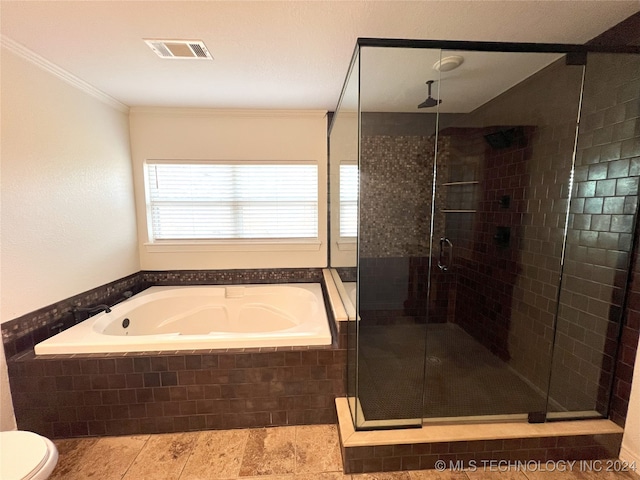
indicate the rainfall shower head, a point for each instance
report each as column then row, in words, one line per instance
column 430, row 101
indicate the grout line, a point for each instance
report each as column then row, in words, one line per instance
column 193, row 448
column 244, row 449
column 295, row 450
column 137, row 455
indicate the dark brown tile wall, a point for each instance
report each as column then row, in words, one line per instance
column 384, row 283
column 518, row 311
column 488, row 269
column 393, row 290
column 515, row 318
column 342, row 329
column 423, row 456
column 626, row 355
column 86, row 395
column 602, row 224
column 626, row 32
column 443, row 292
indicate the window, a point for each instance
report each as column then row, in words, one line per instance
column 190, row 200
column 348, row 200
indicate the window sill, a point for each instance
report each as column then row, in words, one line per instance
column 234, row 246
column 347, row 244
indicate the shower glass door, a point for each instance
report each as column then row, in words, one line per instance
column 396, row 173
column 494, row 235
column 458, row 284
column 506, row 141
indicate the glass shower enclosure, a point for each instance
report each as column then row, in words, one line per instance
column 495, row 201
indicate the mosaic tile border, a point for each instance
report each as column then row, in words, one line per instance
column 347, row 274
column 24, row 332
column 228, row 277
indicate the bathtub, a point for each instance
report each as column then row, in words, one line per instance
column 201, row 317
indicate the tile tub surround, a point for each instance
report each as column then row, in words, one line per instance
column 23, row 333
column 123, row 394
column 151, row 392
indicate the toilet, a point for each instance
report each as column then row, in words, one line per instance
column 26, row 456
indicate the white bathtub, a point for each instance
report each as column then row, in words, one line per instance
column 202, row 317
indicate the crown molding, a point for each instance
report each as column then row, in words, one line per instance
column 61, row 73
column 219, row 112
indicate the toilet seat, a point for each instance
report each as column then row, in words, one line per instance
column 26, row 456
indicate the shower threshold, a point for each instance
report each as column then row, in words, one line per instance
column 421, row 448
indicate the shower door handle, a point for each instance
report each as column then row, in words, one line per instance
column 442, row 266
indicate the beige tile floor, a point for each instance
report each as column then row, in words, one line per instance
column 291, row 453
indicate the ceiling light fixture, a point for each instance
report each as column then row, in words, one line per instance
column 447, row 64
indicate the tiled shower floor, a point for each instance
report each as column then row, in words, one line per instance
column 463, row 377
column 291, row 453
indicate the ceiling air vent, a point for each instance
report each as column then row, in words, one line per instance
column 179, row 48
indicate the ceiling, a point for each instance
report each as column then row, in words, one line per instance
column 394, row 78
column 276, row 54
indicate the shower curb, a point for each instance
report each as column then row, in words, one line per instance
column 474, row 446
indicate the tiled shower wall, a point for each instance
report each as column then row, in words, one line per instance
column 506, row 293
column 395, row 215
column 627, row 352
column 396, row 181
column 518, row 325
column 602, row 224
column 489, row 269
column 629, row 32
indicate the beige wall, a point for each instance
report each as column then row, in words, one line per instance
column 7, row 419
column 201, row 134
column 68, row 217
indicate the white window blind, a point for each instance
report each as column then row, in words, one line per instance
column 348, row 200
column 232, row 201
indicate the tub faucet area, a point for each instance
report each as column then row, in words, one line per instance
column 95, row 309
